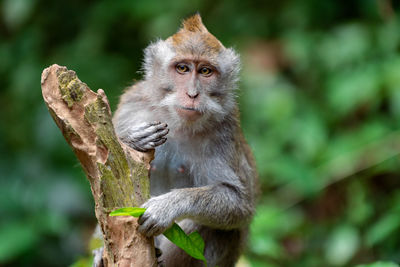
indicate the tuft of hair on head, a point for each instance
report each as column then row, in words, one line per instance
column 194, row 38
column 194, row 24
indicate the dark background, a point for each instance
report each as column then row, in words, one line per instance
column 320, row 106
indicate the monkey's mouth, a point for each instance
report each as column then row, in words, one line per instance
column 189, row 113
column 189, row 108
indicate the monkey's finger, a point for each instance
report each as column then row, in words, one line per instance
column 140, row 127
column 156, row 128
column 151, row 230
column 160, row 141
column 155, row 136
column 139, row 134
column 136, row 146
column 153, row 144
column 143, row 218
column 146, row 226
column 145, row 125
column 149, row 145
column 154, row 230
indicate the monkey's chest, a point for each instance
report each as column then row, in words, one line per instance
column 168, row 171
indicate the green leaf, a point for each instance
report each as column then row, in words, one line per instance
column 192, row 244
column 196, row 238
column 131, row 211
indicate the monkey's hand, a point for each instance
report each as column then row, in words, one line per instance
column 160, row 214
column 146, row 136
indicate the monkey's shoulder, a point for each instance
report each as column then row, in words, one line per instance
column 134, row 93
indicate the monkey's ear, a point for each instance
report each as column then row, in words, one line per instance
column 156, row 58
column 229, row 64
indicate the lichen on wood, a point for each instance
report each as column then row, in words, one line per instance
column 71, row 88
column 117, row 174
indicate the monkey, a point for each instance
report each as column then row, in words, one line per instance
column 203, row 174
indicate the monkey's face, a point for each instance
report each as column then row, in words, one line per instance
column 196, row 95
column 192, row 80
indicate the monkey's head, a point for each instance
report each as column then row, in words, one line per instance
column 193, row 77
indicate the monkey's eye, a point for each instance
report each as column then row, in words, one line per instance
column 182, row 68
column 205, row 71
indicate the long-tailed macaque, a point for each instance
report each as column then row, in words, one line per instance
column 203, row 174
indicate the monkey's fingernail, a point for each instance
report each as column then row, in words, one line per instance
column 141, row 220
column 158, row 252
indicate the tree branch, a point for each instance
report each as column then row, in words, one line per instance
column 118, row 175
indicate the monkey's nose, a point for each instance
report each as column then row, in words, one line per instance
column 192, row 95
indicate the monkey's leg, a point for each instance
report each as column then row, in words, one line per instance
column 222, row 248
column 146, row 136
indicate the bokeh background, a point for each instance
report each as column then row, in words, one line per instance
column 320, row 107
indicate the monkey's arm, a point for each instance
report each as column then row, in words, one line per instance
column 140, row 131
column 222, row 205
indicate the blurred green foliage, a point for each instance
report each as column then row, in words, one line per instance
column 320, row 102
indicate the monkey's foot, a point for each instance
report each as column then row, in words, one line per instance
column 146, row 136
column 97, row 257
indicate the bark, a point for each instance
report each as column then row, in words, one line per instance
column 118, row 175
